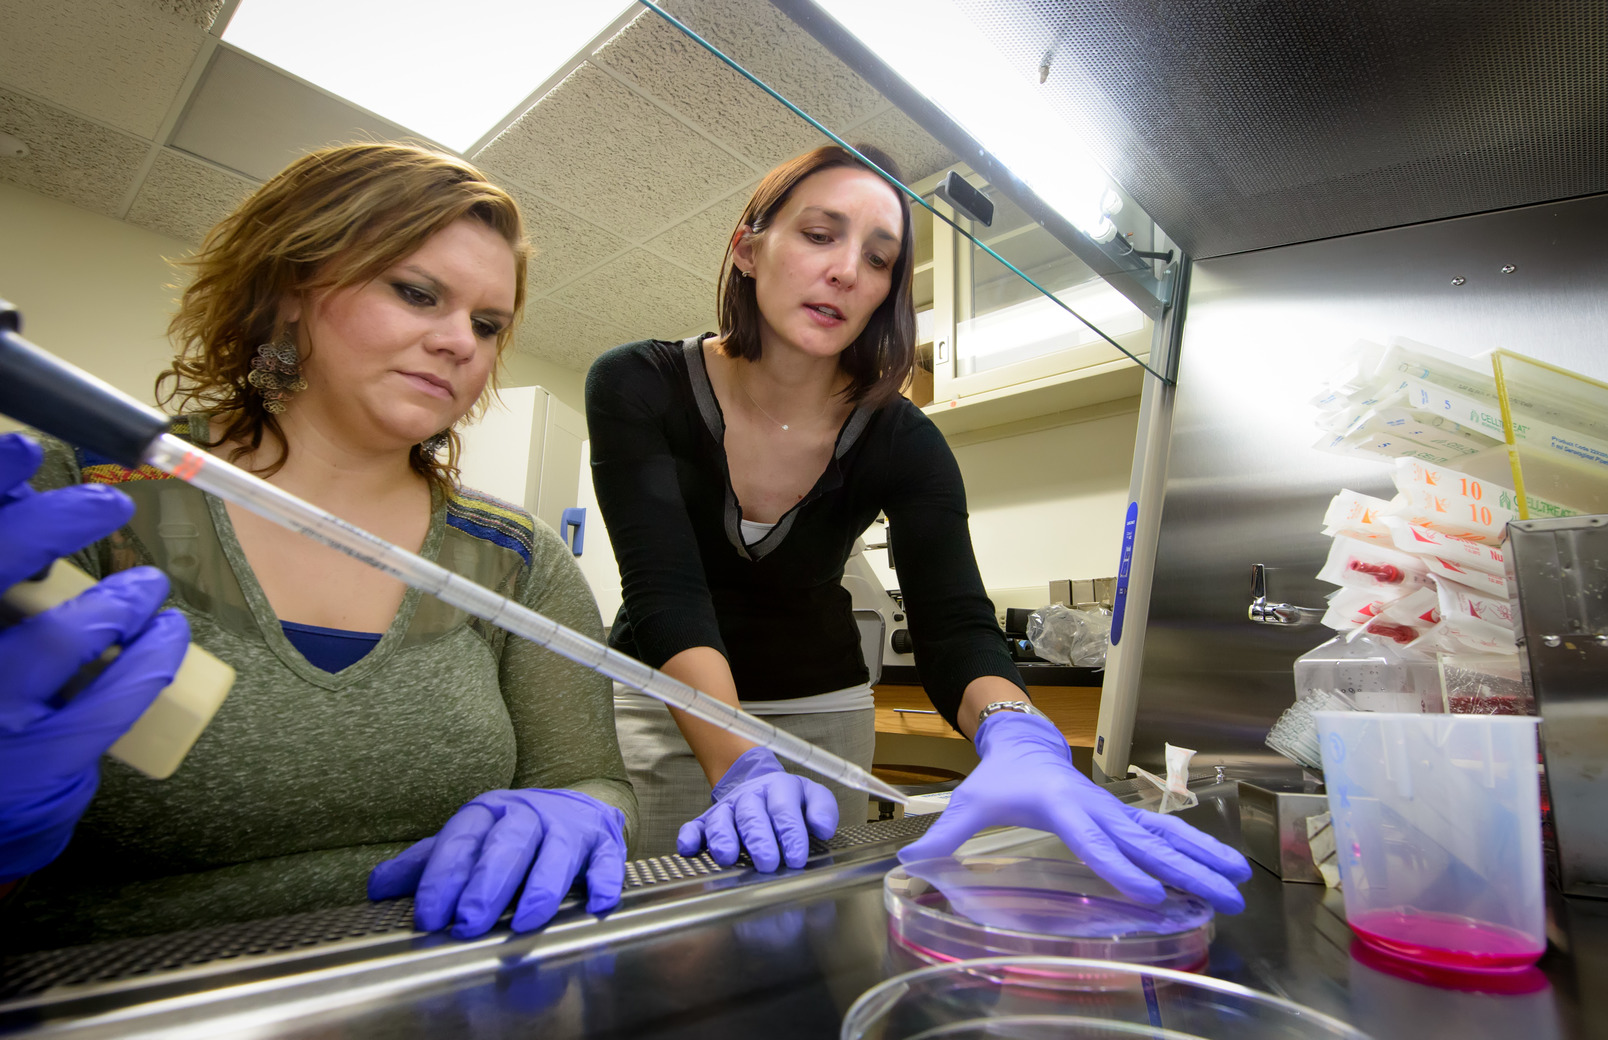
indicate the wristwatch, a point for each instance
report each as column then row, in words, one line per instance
column 1025, row 707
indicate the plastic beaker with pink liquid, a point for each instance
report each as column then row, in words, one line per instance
column 1437, row 823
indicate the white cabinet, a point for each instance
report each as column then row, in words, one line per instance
column 999, row 350
column 527, row 450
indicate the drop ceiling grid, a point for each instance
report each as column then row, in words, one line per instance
column 72, row 158
column 650, row 264
column 767, row 43
column 668, row 290
column 662, row 66
column 642, row 173
column 185, row 197
column 662, row 63
column 120, row 62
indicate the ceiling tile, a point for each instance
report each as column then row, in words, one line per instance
column 767, row 43
column 184, row 197
column 661, row 61
column 71, row 158
column 699, row 242
column 606, row 153
column 256, row 119
column 567, row 337
column 915, row 150
column 119, row 61
column 564, row 244
column 644, row 294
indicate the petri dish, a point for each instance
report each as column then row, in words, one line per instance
column 995, row 997
column 945, row 910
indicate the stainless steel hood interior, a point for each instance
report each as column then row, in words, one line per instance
column 1240, row 126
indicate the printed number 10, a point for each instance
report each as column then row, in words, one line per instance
column 1480, row 514
column 1472, row 489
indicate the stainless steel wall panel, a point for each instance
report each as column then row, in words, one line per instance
column 1246, row 126
column 1244, row 486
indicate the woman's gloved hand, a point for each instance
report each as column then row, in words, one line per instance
column 761, row 807
column 51, row 745
column 467, row 874
column 1026, row 779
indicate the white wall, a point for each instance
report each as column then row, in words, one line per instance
column 1049, row 504
column 597, row 556
column 1045, row 504
column 521, row 369
column 93, row 290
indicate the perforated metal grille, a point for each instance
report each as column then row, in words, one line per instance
column 1242, row 126
column 152, row 955
column 33, row 973
column 906, row 828
column 658, row 869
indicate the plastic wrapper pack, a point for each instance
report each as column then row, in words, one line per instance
column 1422, row 585
column 1353, row 608
column 1423, row 541
column 1451, row 502
column 1359, row 515
column 1386, row 403
column 1359, row 564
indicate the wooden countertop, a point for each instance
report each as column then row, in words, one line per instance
column 1075, row 710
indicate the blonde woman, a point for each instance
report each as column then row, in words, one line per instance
column 338, row 327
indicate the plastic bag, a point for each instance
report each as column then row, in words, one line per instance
column 1374, row 672
column 1062, row 635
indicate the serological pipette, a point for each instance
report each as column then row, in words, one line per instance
column 60, row 399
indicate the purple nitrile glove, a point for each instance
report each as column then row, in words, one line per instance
column 52, row 746
column 760, row 806
column 1026, row 779
column 467, row 873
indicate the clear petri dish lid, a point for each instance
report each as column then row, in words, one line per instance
column 1052, row 998
column 956, row 909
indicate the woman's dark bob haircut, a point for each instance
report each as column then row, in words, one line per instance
column 879, row 362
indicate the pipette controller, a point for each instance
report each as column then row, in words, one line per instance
column 60, row 399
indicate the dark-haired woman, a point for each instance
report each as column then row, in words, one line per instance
column 735, row 471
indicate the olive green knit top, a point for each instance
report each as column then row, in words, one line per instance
column 306, row 779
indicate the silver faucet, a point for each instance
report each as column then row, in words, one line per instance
column 1277, row 613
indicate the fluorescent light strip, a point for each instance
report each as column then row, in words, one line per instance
column 447, row 72
column 1040, row 321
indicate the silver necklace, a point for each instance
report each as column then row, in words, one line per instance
column 785, row 426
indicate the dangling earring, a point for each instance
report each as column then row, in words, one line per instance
column 432, row 446
column 276, row 373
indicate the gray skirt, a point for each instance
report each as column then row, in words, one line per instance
column 670, row 785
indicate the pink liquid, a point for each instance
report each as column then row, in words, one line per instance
column 1447, row 941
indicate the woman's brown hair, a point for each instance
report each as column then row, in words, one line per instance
column 333, row 219
column 880, row 360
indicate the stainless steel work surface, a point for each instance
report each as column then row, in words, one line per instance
column 733, row 954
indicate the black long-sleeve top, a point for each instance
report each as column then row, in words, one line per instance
column 777, row 609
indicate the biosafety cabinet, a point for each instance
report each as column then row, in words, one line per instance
column 1291, row 177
